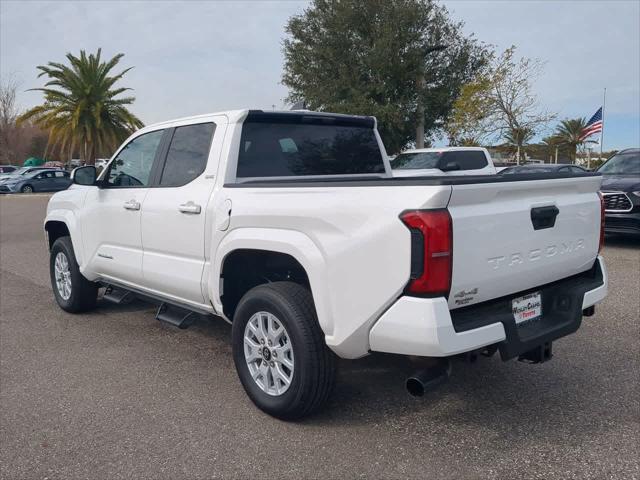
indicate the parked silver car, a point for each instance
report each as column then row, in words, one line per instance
column 41, row 180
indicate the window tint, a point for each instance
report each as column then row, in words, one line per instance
column 468, row 160
column 416, row 160
column 132, row 166
column 188, row 154
column 292, row 149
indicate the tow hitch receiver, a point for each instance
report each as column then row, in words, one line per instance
column 540, row 354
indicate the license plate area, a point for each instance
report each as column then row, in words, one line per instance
column 527, row 307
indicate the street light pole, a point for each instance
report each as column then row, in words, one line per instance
column 421, row 83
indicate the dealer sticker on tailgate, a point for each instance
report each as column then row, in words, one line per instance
column 527, row 307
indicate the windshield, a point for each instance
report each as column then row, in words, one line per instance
column 622, row 164
column 19, row 171
column 415, row 161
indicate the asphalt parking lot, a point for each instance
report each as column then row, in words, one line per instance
column 115, row 394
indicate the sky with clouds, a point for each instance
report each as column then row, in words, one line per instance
column 195, row 57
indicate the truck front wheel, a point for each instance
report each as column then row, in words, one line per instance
column 279, row 351
column 73, row 292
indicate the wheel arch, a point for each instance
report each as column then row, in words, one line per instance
column 61, row 223
column 277, row 249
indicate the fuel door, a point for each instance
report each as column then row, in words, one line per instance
column 223, row 215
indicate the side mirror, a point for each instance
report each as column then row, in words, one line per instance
column 84, row 175
column 450, row 167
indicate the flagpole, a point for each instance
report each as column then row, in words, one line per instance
column 604, row 99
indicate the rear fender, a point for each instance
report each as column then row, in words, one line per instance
column 290, row 242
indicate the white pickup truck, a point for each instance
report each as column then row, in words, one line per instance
column 422, row 162
column 289, row 226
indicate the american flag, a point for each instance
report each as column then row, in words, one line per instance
column 594, row 125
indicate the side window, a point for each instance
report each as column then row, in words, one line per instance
column 563, row 169
column 61, row 174
column 132, row 166
column 187, row 155
column 468, row 160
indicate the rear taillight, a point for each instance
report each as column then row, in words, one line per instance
column 431, row 251
column 601, row 222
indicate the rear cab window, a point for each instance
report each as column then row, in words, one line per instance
column 299, row 145
column 467, row 159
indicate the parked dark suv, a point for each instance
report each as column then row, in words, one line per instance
column 621, row 192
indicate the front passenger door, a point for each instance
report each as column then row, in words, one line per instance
column 111, row 214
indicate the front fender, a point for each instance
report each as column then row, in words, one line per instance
column 290, row 242
column 69, row 219
column 63, row 207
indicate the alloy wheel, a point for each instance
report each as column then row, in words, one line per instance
column 62, row 272
column 269, row 353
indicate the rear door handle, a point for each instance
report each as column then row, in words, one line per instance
column 190, row 208
column 132, row 205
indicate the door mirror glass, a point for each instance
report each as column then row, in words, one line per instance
column 84, row 175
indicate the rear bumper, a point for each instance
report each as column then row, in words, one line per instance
column 426, row 327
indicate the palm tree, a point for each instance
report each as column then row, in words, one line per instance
column 569, row 132
column 519, row 137
column 552, row 144
column 80, row 108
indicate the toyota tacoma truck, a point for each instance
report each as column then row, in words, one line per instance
column 290, row 226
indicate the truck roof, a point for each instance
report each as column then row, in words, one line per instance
column 236, row 116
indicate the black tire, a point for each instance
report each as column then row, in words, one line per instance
column 84, row 294
column 315, row 365
column 27, row 189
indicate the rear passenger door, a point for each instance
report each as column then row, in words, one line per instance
column 175, row 214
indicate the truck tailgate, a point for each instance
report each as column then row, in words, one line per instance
column 505, row 239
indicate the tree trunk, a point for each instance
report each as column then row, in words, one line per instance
column 420, row 113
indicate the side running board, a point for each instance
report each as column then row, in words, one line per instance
column 176, row 316
column 117, row 295
column 179, row 316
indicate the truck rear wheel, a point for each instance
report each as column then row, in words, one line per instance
column 73, row 292
column 279, row 351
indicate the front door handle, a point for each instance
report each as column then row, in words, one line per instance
column 190, row 208
column 132, row 205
